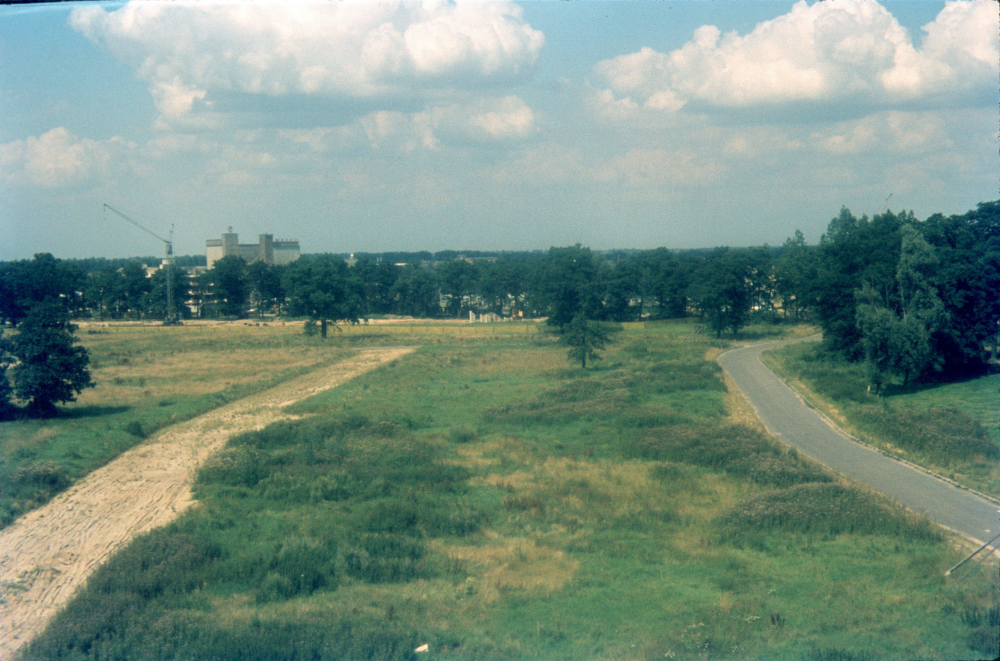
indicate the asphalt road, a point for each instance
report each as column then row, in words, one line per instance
column 788, row 417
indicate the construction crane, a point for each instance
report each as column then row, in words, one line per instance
column 885, row 205
column 168, row 262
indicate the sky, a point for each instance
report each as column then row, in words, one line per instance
column 488, row 125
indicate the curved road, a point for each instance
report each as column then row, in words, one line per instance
column 787, row 416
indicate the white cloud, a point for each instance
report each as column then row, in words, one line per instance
column 59, row 158
column 839, row 50
column 483, row 120
column 355, row 50
column 653, row 168
column 885, row 133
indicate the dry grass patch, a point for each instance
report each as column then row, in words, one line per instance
column 738, row 409
column 503, row 565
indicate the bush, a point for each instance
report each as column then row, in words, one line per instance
column 735, row 449
column 462, row 434
column 943, row 434
column 135, row 429
column 829, row 509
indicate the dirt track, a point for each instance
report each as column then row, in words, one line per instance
column 48, row 554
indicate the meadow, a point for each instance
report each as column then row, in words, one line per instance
column 486, row 497
column 951, row 429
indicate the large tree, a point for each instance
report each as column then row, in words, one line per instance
column 51, row 366
column 230, row 288
column 323, row 289
column 721, row 290
column 568, row 283
column 416, row 292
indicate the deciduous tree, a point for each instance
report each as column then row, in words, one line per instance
column 51, row 366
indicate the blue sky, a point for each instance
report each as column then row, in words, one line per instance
column 487, row 125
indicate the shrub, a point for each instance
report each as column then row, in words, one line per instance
column 944, row 434
column 829, row 509
column 135, row 429
column 47, row 475
column 236, row 467
column 462, row 434
column 735, row 449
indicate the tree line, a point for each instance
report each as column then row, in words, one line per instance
column 910, row 298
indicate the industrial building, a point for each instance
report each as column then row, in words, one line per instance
column 267, row 249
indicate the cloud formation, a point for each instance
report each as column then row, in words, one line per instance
column 338, row 50
column 59, row 158
column 834, row 51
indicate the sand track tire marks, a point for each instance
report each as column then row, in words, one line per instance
column 47, row 555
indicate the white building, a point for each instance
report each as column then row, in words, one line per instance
column 267, row 249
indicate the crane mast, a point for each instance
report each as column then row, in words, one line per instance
column 168, row 262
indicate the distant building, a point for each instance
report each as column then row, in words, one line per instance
column 267, row 250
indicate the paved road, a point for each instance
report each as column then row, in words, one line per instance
column 788, row 417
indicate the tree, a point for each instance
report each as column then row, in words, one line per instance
column 265, row 287
column 568, row 284
column 24, row 284
column 229, row 285
column 377, row 278
column 795, row 276
column 458, row 279
column 323, row 289
column 157, row 299
column 415, row 292
column 133, row 288
column 6, row 391
column 901, row 343
column 51, row 366
column 585, row 338
column 721, row 290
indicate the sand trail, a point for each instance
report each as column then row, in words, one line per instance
column 47, row 554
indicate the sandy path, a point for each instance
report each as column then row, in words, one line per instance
column 48, row 554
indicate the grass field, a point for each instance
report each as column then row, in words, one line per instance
column 487, row 498
column 950, row 429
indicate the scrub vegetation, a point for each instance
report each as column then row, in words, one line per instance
column 949, row 428
column 486, row 498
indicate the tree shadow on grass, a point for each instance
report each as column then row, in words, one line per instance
column 91, row 411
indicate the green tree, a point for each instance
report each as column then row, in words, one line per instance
column 900, row 343
column 569, row 285
column 416, row 293
column 795, row 276
column 585, row 339
column 721, row 290
column 229, row 285
column 458, row 279
column 6, row 390
column 132, row 289
column 377, row 279
column 24, row 284
column 156, row 299
column 323, row 289
column 266, row 291
column 51, row 366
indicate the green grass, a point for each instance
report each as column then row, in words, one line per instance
column 485, row 497
column 950, row 429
